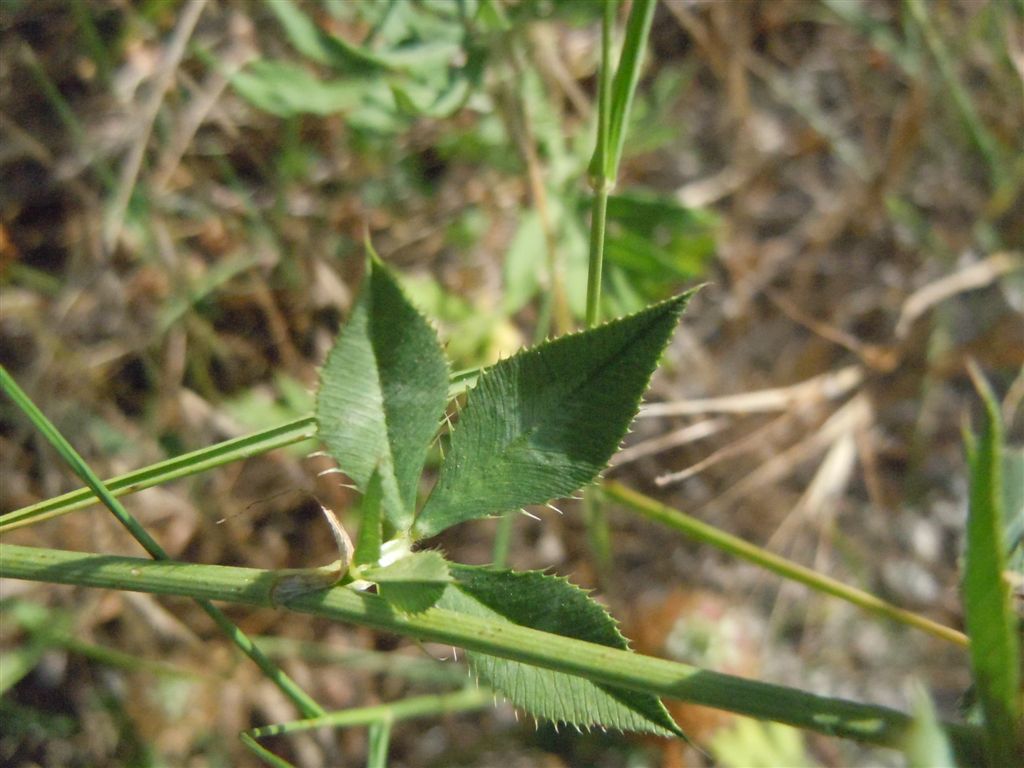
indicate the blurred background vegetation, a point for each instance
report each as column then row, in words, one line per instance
column 185, row 191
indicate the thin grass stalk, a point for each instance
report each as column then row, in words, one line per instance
column 248, row 586
column 599, row 536
column 187, row 464
column 93, row 41
column 465, row 700
column 65, row 113
column 192, row 463
column 262, row 752
column 599, row 213
column 594, row 518
column 502, row 540
column 307, row 706
column 787, row 569
column 978, row 134
column 600, row 181
column 615, row 98
column 379, row 719
column 627, row 75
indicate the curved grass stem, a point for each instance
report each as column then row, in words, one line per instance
column 175, row 468
column 787, row 569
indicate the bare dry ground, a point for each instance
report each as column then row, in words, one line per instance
column 175, row 261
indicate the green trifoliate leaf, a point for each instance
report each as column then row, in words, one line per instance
column 382, row 393
column 544, row 423
column 552, row 604
column 413, row 583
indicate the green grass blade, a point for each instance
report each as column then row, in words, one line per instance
column 601, row 177
column 93, row 41
column 787, row 569
column 10, row 387
column 854, row 14
column 600, row 166
column 192, row 463
column 263, row 753
column 627, row 75
column 379, row 738
column 988, row 610
column 977, row 132
column 249, row 586
column 64, row 111
column 615, row 97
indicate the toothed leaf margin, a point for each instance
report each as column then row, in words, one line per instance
column 545, row 422
column 552, row 604
column 383, row 391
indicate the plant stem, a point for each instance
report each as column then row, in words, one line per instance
column 236, row 449
column 835, row 717
column 601, row 180
column 502, row 540
column 598, row 212
column 187, row 464
column 599, row 536
column 615, row 99
column 64, row 111
column 709, row 534
column 9, row 386
column 262, row 752
column 302, row 700
column 627, row 75
column 978, row 134
column 596, row 524
column 465, row 700
column 379, row 718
